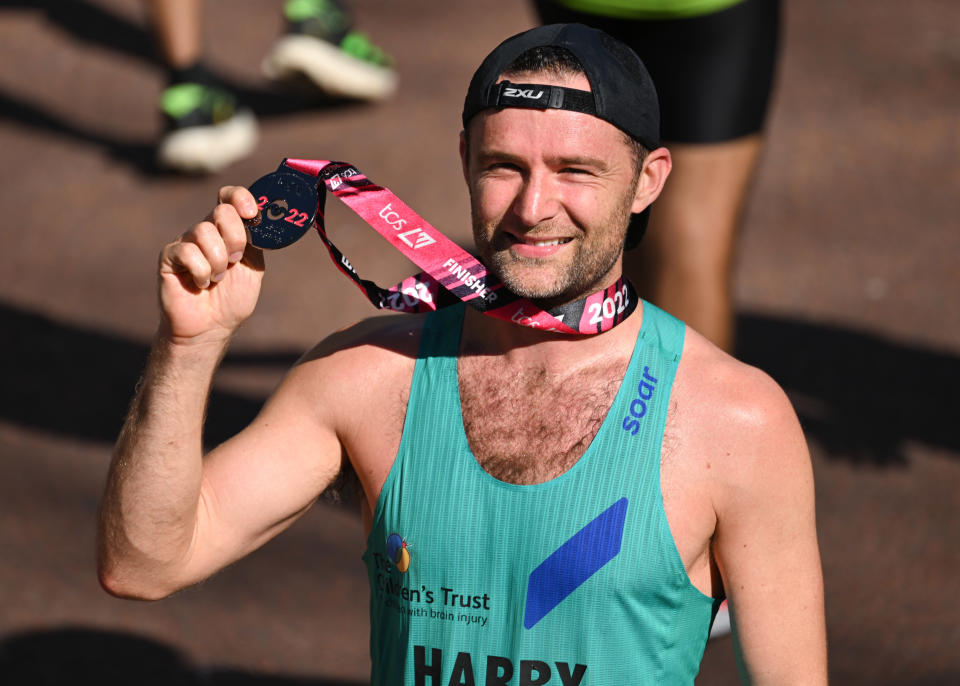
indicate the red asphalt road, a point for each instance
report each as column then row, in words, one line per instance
column 847, row 288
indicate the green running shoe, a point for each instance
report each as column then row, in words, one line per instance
column 205, row 129
column 321, row 45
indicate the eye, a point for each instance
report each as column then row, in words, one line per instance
column 576, row 171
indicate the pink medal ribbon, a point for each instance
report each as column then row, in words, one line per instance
column 450, row 274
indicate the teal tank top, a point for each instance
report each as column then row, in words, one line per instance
column 575, row 581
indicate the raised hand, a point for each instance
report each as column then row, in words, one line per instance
column 209, row 278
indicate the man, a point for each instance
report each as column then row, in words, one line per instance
column 542, row 508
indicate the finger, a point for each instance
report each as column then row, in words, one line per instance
column 185, row 258
column 208, row 236
column 240, row 198
column 231, row 229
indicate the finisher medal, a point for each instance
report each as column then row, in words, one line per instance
column 287, row 203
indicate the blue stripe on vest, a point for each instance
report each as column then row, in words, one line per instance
column 574, row 562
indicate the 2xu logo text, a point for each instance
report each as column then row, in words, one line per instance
column 638, row 407
column 498, row 671
column 521, row 93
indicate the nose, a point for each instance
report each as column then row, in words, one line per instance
column 537, row 199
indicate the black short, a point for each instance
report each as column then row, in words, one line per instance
column 713, row 72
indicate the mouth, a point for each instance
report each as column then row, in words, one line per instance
column 543, row 244
column 536, row 246
column 538, row 242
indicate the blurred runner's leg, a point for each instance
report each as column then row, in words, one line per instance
column 205, row 128
column 685, row 263
column 322, row 45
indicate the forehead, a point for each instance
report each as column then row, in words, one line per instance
column 578, row 81
column 561, row 132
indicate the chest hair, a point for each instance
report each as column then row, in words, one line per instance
column 529, row 425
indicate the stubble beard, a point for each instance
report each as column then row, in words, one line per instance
column 596, row 253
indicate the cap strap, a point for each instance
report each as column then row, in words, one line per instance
column 539, row 96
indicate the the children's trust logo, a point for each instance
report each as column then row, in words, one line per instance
column 398, row 551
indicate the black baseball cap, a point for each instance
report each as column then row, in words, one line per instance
column 622, row 92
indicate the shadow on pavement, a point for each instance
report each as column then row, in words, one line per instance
column 90, row 656
column 89, row 22
column 77, row 382
column 861, row 395
column 137, row 153
column 85, row 21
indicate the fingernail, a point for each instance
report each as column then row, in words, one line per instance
column 236, row 257
column 216, row 278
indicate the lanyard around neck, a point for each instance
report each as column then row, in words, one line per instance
column 292, row 199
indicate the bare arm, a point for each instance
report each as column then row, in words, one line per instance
column 170, row 516
column 766, row 542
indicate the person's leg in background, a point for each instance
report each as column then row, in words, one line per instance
column 685, row 263
column 323, row 47
column 205, row 128
column 713, row 73
column 178, row 25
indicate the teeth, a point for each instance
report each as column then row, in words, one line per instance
column 543, row 243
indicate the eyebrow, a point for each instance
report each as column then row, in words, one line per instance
column 561, row 160
column 584, row 161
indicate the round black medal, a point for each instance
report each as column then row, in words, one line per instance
column 287, row 201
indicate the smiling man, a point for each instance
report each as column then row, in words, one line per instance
column 522, row 172
column 542, row 508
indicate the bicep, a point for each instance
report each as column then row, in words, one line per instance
column 261, row 480
column 766, row 548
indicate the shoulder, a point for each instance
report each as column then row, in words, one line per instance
column 388, row 336
column 736, row 416
column 744, row 393
column 371, row 359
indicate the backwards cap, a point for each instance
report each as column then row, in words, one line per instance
column 622, row 91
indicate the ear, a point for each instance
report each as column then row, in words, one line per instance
column 656, row 169
column 463, row 155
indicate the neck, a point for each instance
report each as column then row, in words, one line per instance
column 524, row 346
